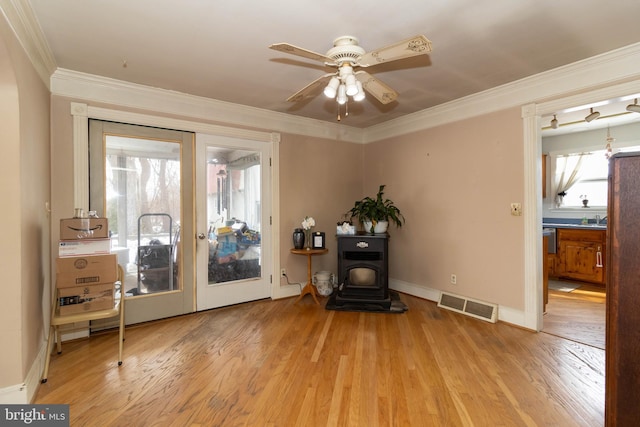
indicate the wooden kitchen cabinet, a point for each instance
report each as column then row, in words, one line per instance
column 551, row 265
column 581, row 255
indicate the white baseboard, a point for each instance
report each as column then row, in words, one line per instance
column 286, row 291
column 415, row 290
column 512, row 316
column 23, row 394
column 14, row 395
column 505, row 314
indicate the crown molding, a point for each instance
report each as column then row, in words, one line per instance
column 590, row 74
column 20, row 17
column 596, row 95
column 583, row 80
column 92, row 88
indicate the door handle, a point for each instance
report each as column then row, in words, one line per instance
column 202, row 236
column 599, row 258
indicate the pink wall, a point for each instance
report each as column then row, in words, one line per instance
column 320, row 178
column 24, row 254
column 454, row 184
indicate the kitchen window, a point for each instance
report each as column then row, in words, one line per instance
column 590, row 183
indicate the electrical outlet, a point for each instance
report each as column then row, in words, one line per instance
column 283, row 272
column 516, row 209
column 454, row 279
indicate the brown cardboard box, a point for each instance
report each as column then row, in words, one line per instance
column 86, row 270
column 84, row 228
column 81, row 299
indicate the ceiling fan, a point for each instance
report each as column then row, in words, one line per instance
column 348, row 56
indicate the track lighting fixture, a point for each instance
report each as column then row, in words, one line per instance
column 634, row 108
column 592, row 116
column 554, row 122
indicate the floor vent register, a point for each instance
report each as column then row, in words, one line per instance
column 470, row 307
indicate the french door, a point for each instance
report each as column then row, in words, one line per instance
column 233, row 206
column 141, row 179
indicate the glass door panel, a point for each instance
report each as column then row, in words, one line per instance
column 231, row 180
column 138, row 180
column 143, row 207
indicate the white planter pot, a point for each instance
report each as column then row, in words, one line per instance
column 380, row 227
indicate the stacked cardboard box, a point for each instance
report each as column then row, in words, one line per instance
column 85, row 268
column 84, row 228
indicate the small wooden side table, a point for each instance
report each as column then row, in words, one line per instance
column 309, row 288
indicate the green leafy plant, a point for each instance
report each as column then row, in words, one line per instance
column 376, row 209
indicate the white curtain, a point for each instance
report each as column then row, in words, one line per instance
column 567, row 173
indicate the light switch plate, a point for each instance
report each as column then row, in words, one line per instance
column 516, row 209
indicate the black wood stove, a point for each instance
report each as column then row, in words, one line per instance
column 363, row 271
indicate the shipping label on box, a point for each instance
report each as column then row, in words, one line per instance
column 86, row 270
column 84, row 247
column 81, row 299
column 84, row 228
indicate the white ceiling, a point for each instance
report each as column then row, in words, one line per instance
column 219, row 49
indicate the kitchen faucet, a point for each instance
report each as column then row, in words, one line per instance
column 599, row 220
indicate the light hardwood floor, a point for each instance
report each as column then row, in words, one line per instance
column 579, row 315
column 276, row 363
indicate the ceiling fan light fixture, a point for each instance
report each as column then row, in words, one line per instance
column 554, row 122
column 345, row 70
column 332, row 88
column 347, row 54
column 342, row 94
column 350, row 83
column 634, row 108
column 592, row 116
column 360, row 95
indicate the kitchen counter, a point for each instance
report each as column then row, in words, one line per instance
column 590, row 226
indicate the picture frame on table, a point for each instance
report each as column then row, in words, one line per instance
column 318, row 240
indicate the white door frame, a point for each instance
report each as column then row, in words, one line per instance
column 531, row 115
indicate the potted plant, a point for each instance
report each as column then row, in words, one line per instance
column 376, row 213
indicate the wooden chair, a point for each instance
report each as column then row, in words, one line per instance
column 57, row 320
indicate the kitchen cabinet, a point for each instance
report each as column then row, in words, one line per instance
column 622, row 379
column 551, row 265
column 581, row 255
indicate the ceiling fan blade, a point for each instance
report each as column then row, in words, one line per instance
column 375, row 87
column 312, row 89
column 295, row 50
column 417, row 45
